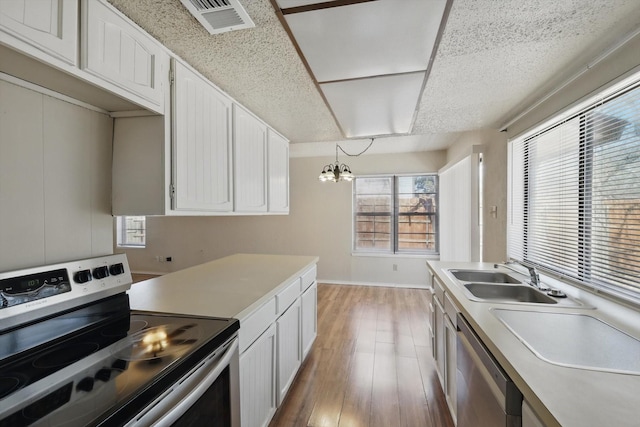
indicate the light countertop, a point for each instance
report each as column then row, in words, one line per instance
column 233, row 286
column 560, row 395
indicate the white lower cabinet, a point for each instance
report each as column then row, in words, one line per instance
column 289, row 348
column 258, row 381
column 450, row 349
column 438, row 331
column 445, row 334
column 270, row 360
column 309, row 326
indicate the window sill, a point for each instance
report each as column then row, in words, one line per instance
column 434, row 257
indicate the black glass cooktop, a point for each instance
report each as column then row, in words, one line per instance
column 99, row 362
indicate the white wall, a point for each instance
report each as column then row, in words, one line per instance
column 55, row 180
column 319, row 223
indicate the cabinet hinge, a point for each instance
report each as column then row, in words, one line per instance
column 172, row 191
column 171, row 76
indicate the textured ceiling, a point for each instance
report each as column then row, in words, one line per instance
column 495, row 58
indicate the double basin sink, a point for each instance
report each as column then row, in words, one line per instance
column 497, row 286
column 573, row 337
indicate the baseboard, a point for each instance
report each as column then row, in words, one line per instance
column 384, row 285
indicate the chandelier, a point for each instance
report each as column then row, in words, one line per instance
column 336, row 172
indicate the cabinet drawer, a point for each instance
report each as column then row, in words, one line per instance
column 308, row 278
column 450, row 308
column 287, row 296
column 256, row 323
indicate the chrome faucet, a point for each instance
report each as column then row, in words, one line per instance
column 535, row 277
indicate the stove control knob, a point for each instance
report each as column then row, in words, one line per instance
column 82, row 276
column 85, row 384
column 103, row 375
column 116, row 269
column 119, row 364
column 101, row 272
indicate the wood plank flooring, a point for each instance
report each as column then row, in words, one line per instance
column 371, row 364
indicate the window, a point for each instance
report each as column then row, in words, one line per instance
column 131, row 231
column 574, row 205
column 396, row 214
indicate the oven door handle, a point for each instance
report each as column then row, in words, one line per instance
column 172, row 414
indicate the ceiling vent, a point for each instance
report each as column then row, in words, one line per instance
column 219, row 16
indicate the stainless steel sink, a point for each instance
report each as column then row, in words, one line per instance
column 499, row 287
column 574, row 340
column 509, row 293
column 483, row 276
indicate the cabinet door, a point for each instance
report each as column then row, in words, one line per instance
column 430, row 328
column 51, row 26
column 309, row 318
column 450, row 339
column 250, row 161
column 438, row 331
column 289, row 357
column 258, row 380
column 278, row 173
column 122, row 54
column 201, row 144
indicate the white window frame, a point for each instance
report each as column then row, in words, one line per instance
column 394, row 250
column 122, row 237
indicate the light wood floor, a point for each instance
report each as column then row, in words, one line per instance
column 371, row 364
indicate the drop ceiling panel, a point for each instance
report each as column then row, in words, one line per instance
column 367, row 39
column 375, row 106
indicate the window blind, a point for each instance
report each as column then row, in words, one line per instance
column 574, row 195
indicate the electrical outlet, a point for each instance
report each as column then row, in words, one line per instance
column 168, row 259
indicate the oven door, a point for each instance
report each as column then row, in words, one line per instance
column 208, row 395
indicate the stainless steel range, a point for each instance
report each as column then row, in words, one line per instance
column 72, row 353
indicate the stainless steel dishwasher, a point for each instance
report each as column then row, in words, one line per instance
column 486, row 395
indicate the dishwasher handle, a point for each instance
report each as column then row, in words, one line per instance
column 513, row 397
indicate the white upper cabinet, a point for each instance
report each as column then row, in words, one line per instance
column 201, row 144
column 51, row 26
column 278, row 173
column 250, row 161
column 119, row 52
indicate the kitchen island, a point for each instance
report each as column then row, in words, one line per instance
column 275, row 299
column 557, row 394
